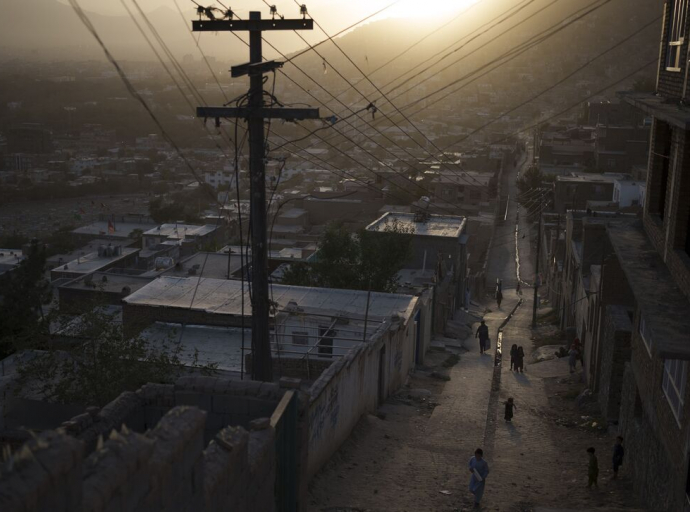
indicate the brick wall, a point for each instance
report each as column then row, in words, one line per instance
column 671, row 82
column 615, row 352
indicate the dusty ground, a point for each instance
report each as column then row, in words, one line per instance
column 421, row 441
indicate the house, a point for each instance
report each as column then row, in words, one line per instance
column 571, row 192
column 435, row 239
column 106, row 257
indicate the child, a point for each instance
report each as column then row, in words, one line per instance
column 618, row 453
column 509, row 410
column 572, row 358
column 593, row 471
column 513, row 356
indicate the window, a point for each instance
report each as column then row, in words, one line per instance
column 673, row 384
column 646, row 334
column 678, row 10
column 326, row 341
column 300, row 337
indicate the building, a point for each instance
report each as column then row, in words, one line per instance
column 654, row 256
column 571, row 192
column 435, row 239
column 189, row 236
column 106, row 257
column 628, row 193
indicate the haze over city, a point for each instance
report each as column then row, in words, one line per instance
column 344, row 256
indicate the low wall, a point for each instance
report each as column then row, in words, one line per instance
column 302, row 368
column 165, row 469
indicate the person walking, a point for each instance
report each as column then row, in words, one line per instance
column 517, row 288
column 618, row 454
column 520, row 360
column 593, row 469
column 479, row 469
column 499, row 298
column 513, row 357
column 510, row 405
column 483, row 335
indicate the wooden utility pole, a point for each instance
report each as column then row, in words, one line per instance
column 255, row 114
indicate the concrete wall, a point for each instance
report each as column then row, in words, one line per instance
column 352, row 387
column 167, row 468
column 615, row 353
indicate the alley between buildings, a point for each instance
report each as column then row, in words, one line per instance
column 412, row 456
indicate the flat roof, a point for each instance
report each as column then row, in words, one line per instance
column 114, row 283
column 224, row 296
column 671, row 113
column 180, row 230
column 122, row 229
column 202, row 344
column 446, row 226
column 213, row 264
column 665, row 307
column 9, row 258
column 92, row 262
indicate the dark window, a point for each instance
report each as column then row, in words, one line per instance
column 326, row 341
column 300, row 337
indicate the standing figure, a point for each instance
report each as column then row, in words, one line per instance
column 483, row 335
column 513, row 357
column 520, row 360
column 499, row 298
column 510, row 405
column 573, row 356
column 517, row 288
column 479, row 469
column 618, row 453
column 593, row 469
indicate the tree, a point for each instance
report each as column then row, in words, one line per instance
column 25, row 291
column 102, row 363
column 363, row 261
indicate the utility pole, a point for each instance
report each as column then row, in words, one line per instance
column 255, row 114
column 536, row 274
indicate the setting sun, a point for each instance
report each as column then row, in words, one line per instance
column 427, row 8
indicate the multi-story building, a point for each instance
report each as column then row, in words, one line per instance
column 654, row 417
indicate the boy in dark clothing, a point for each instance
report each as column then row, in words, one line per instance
column 593, row 470
column 510, row 405
column 483, row 335
column 618, row 453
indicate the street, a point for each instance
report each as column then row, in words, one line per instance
column 413, row 455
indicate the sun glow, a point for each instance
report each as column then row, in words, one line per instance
column 427, row 8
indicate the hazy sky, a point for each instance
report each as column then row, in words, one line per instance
column 335, row 14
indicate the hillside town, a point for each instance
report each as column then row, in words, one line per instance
column 392, row 265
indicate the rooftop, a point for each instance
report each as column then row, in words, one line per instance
column 177, row 231
column 9, row 258
column 122, row 229
column 92, row 262
column 208, row 264
column 587, row 177
column 657, row 106
column 201, row 344
column 224, row 297
column 113, row 283
column 446, row 226
column 666, row 309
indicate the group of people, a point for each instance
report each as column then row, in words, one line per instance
column 517, row 359
column 479, row 468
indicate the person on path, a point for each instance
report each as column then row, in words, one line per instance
column 573, row 356
column 483, row 335
column 593, row 470
column 510, row 405
column 479, row 469
column 618, row 453
column 520, row 360
column 513, row 357
column 517, row 288
column 499, row 298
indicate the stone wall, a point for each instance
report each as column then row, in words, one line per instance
column 615, row 352
column 167, row 468
column 303, row 368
